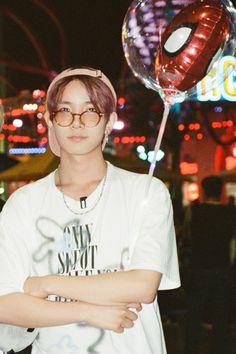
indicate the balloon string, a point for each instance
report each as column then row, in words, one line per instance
column 143, row 205
column 157, row 146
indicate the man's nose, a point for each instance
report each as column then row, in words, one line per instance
column 77, row 122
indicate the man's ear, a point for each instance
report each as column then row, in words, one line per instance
column 48, row 120
column 112, row 119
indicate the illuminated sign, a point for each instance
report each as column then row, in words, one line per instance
column 220, row 83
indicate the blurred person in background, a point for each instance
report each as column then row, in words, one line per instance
column 209, row 228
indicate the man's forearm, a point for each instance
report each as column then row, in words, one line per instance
column 27, row 311
column 136, row 286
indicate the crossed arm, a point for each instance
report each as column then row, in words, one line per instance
column 28, row 311
column 104, row 301
column 105, row 298
column 125, row 287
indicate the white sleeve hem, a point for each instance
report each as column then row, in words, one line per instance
column 168, row 281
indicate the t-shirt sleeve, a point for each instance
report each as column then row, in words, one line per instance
column 14, row 268
column 155, row 245
column 15, row 260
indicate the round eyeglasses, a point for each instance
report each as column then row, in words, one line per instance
column 90, row 118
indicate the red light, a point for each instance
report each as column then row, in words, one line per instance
column 187, row 168
column 187, row 137
column 191, row 126
column 129, row 139
column 2, row 136
column 35, row 93
column 44, row 141
column 181, row 127
column 132, row 139
column 216, row 125
column 224, row 123
column 20, row 138
column 230, row 123
column 199, row 136
column 17, row 112
column 121, row 101
column 142, row 139
column 40, row 108
column 38, row 93
column 26, row 139
column 10, row 127
column 197, row 126
column 125, row 140
column 41, row 129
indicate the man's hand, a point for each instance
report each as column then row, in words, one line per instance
column 137, row 307
column 115, row 318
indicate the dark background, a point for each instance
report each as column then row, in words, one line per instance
column 90, row 35
column 92, row 31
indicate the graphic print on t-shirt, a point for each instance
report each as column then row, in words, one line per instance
column 70, row 249
column 77, row 252
column 64, row 345
column 66, row 249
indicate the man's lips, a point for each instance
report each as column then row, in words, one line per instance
column 77, row 138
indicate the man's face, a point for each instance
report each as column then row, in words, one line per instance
column 77, row 139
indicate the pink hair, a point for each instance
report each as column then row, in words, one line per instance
column 98, row 92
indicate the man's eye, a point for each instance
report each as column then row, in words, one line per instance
column 91, row 109
column 64, row 109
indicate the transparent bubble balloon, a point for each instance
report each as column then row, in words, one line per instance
column 172, row 47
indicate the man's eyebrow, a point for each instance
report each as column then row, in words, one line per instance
column 66, row 102
column 69, row 102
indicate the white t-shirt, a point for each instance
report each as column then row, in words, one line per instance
column 125, row 230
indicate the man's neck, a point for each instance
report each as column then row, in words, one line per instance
column 82, row 169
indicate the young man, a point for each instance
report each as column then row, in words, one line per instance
column 86, row 237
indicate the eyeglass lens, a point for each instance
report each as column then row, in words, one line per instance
column 88, row 118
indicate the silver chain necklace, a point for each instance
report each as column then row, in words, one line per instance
column 87, row 211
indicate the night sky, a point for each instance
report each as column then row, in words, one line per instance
column 93, row 37
column 92, row 30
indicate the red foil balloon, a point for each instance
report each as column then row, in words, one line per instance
column 191, row 44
